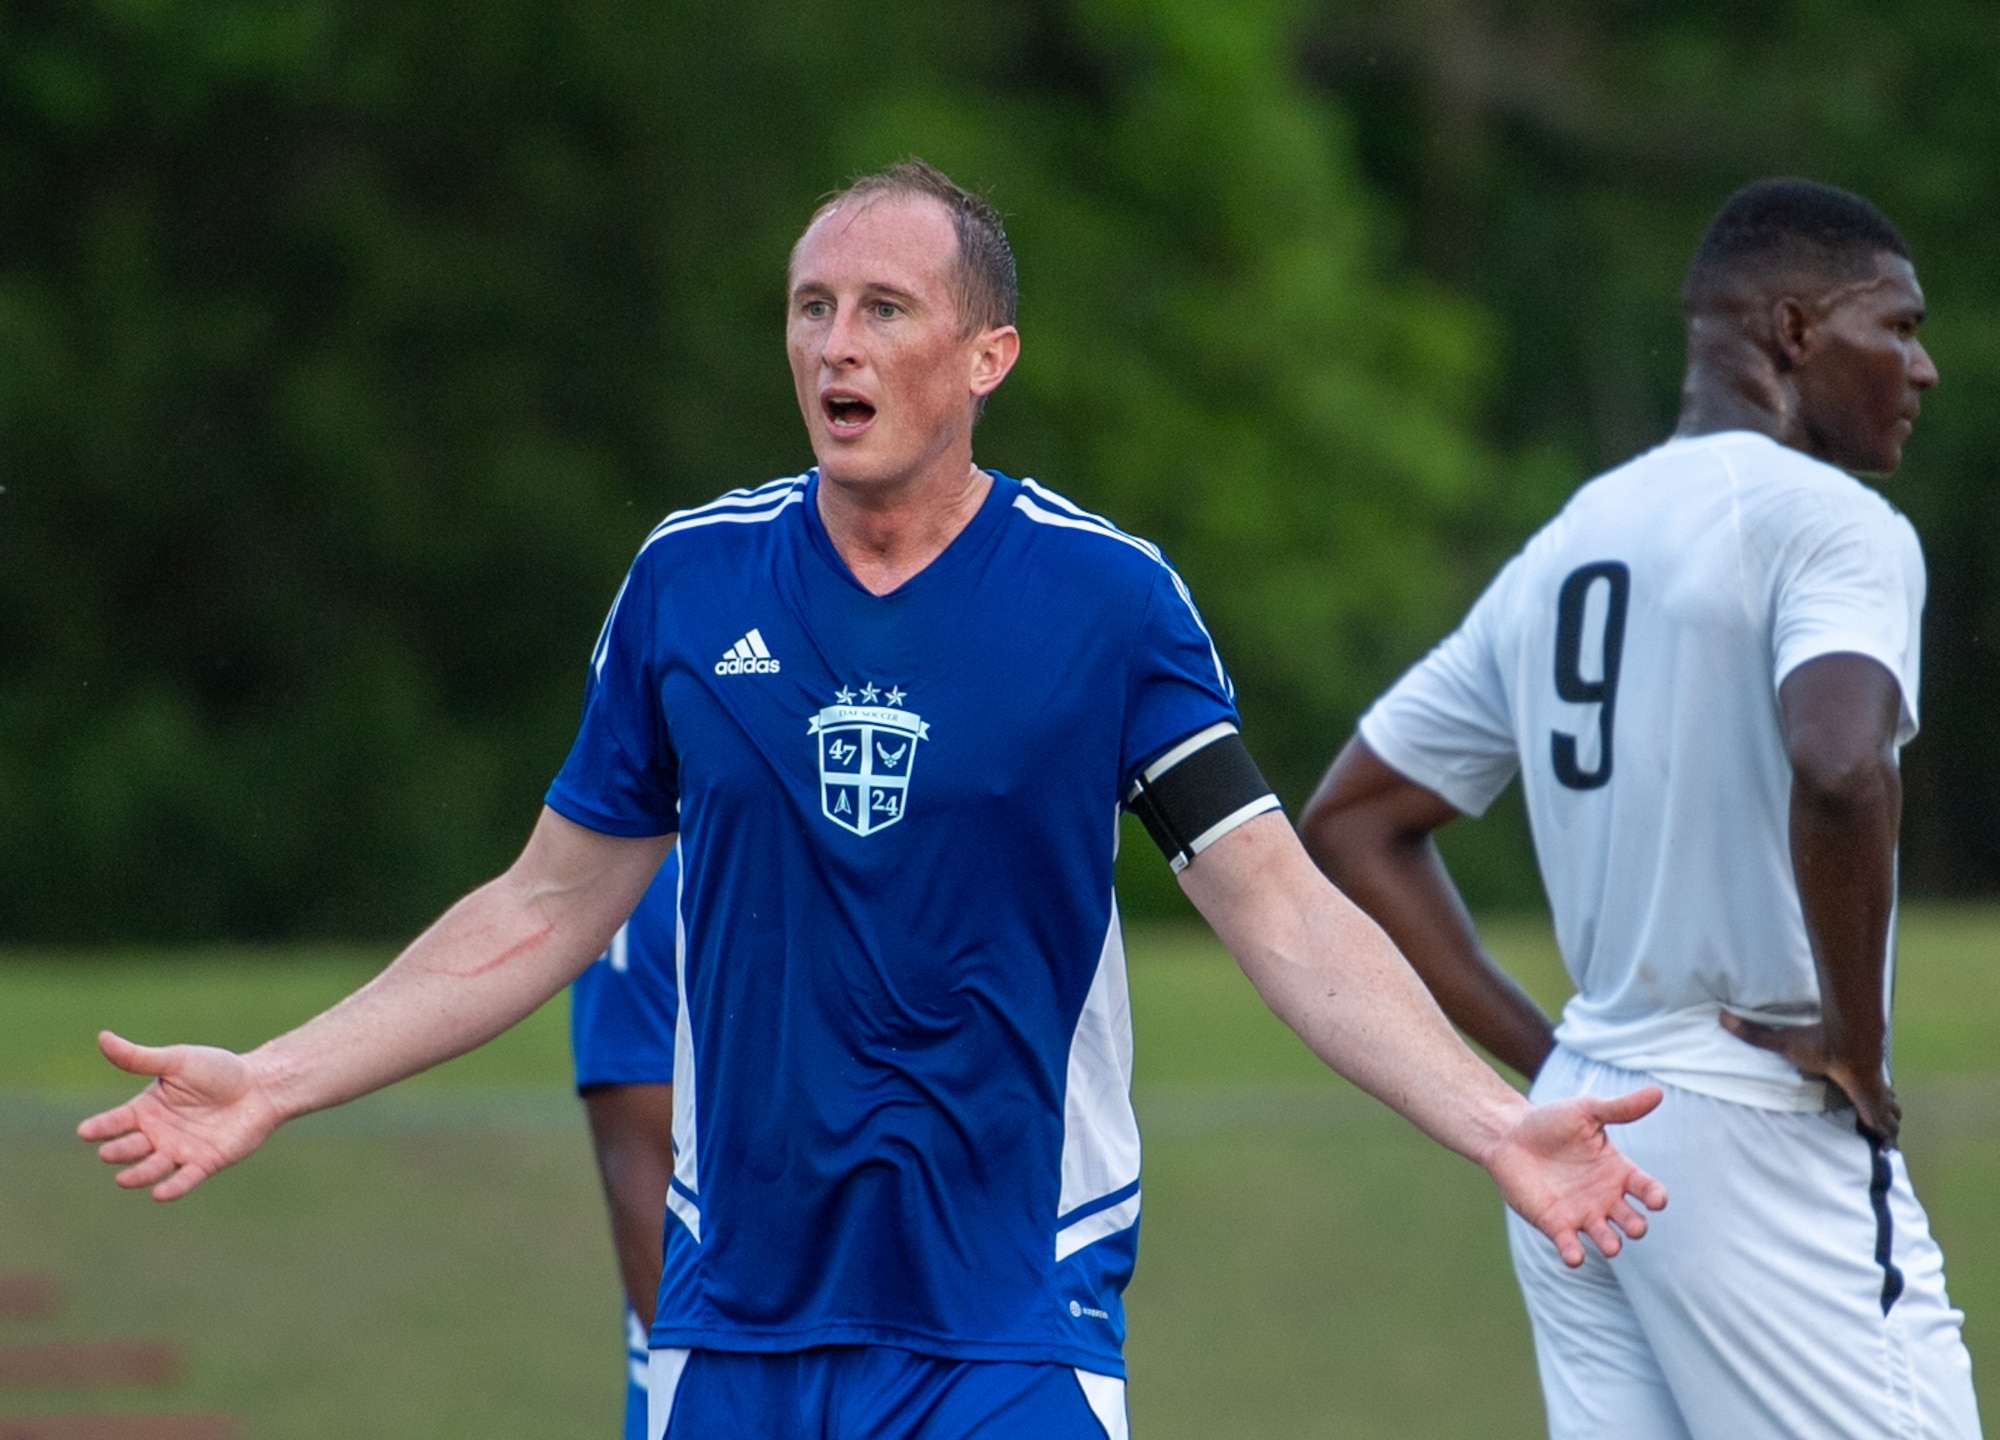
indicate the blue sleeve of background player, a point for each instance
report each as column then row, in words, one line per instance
column 622, row 1008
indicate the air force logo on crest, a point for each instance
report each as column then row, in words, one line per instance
column 867, row 752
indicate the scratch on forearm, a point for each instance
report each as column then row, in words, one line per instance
column 456, row 958
column 518, row 948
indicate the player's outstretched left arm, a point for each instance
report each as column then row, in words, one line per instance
column 1332, row 975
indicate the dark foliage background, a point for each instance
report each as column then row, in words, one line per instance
column 346, row 352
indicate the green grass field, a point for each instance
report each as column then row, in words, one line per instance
column 432, row 1262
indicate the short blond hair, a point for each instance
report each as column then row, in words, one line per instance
column 984, row 285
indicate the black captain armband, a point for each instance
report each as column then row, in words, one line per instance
column 1198, row 792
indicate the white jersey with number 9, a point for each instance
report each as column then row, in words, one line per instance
column 1627, row 663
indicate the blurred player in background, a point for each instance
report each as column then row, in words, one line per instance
column 622, row 1035
column 1703, row 669
column 891, row 709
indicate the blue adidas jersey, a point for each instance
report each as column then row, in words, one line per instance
column 621, row 1009
column 903, row 1075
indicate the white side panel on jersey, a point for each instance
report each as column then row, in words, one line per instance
column 1100, row 1133
column 686, row 1177
column 1105, row 1394
column 662, row 1381
column 1097, row 1225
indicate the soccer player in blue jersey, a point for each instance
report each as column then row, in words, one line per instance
column 622, row 1015
column 891, row 709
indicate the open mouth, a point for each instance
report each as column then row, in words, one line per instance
column 845, row 414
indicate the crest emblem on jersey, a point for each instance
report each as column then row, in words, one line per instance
column 867, row 753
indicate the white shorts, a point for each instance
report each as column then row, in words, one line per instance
column 1790, row 1289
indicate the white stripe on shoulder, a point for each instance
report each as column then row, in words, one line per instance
column 1074, row 512
column 1043, row 506
column 603, row 645
column 1027, row 506
column 750, row 506
column 769, row 510
column 738, row 507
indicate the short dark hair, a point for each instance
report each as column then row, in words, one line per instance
column 1787, row 225
column 985, row 287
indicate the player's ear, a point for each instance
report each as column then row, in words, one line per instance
column 1792, row 325
column 994, row 352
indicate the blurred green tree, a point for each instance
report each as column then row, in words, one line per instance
column 1557, row 161
column 341, row 368
column 347, row 352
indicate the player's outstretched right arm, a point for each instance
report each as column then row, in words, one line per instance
column 491, row 960
column 1369, row 828
column 203, row 1111
column 1333, row 976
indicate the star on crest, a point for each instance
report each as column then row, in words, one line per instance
column 894, row 697
column 868, row 694
column 844, row 695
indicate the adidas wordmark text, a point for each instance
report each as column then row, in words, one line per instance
column 747, row 656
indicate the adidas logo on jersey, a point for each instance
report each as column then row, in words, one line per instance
column 747, row 656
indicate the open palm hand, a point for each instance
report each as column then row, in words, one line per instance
column 1561, row 1172
column 203, row 1112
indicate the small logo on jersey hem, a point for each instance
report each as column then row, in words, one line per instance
column 1078, row 1310
column 867, row 753
column 748, row 656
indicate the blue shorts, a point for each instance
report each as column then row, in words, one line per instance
column 872, row 1392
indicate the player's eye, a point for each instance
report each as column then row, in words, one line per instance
column 887, row 310
column 816, row 309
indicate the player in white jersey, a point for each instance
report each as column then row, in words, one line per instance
column 890, row 709
column 1702, row 669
